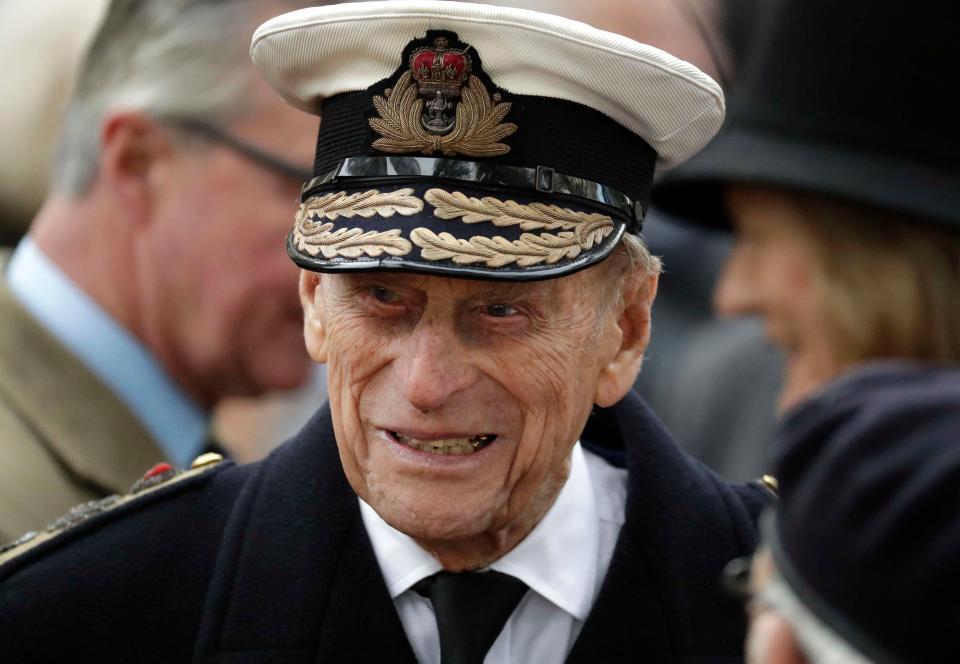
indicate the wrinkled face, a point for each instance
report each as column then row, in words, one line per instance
column 772, row 272
column 456, row 402
column 220, row 292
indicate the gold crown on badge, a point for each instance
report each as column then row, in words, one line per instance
column 438, row 105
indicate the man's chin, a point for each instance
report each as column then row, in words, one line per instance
column 433, row 525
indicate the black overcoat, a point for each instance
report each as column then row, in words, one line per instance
column 270, row 562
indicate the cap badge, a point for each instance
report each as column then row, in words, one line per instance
column 438, row 105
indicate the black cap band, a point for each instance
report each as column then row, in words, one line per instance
column 563, row 135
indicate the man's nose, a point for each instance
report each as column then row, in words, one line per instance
column 434, row 366
column 736, row 291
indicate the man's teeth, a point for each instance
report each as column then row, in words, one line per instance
column 447, row 445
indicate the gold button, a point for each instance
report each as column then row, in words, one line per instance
column 207, row 459
column 771, row 483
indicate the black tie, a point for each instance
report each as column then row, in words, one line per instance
column 471, row 609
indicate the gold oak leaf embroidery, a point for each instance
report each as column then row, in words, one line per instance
column 363, row 204
column 477, row 132
column 535, row 216
column 314, row 237
column 349, row 243
column 497, row 251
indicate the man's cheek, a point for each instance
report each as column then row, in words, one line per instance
column 531, row 454
column 360, row 351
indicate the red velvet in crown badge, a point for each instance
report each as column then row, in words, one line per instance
column 440, row 69
column 440, row 73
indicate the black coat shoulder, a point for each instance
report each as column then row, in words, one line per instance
column 121, row 580
column 683, row 524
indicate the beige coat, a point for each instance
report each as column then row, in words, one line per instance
column 65, row 438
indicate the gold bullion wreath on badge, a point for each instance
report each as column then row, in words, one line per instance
column 437, row 105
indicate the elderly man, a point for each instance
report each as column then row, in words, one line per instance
column 125, row 318
column 862, row 558
column 474, row 280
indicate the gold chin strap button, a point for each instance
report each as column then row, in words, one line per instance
column 207, row 459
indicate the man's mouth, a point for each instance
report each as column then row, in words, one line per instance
column 446, row 445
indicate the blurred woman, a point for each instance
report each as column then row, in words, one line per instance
column 838, row 169
column 839, row 283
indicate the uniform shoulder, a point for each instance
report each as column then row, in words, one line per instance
column 756, row 495
column 160, row 487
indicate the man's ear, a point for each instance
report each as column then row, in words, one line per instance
column 314, row 332
column 132, row 146
column 620, row 372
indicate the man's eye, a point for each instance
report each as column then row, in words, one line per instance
column 499, row 310
column 384, row 295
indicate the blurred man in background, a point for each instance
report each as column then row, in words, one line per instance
column 153, row 277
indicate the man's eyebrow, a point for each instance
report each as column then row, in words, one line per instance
column 538, row 291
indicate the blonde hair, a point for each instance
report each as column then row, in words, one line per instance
column 889, row 283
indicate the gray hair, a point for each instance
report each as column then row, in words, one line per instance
column 820, row 643
column 172, row 59
column 639, row 257
column 631, row 259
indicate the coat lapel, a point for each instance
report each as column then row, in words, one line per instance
column 296, row 579
column 628, row 616
column 661, row 595
column 362, row 624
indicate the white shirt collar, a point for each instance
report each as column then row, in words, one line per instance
column 558, row 559
column 125, row 365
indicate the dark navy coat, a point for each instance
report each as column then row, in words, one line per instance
column 270, row 562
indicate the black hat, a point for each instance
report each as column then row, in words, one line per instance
column 846, row 99
column 479, row 141
column 867, row 532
